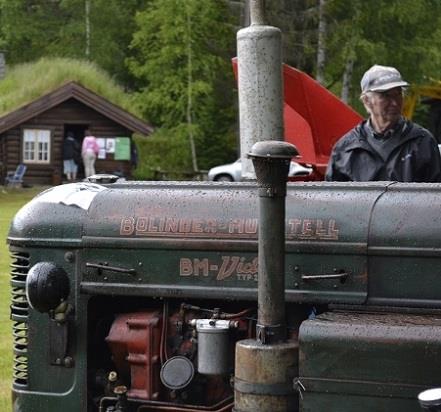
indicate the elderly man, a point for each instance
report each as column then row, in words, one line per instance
column 385, row 146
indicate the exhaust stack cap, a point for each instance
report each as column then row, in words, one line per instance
column 273, row 149
column 271, row 160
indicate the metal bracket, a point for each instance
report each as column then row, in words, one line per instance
column 267, row 334
column 58, row 342
column 273, row 389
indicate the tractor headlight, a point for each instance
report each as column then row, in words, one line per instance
column 47, row 285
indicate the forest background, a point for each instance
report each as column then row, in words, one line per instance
column 173, row 57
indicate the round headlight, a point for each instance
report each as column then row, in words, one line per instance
column 47, row 285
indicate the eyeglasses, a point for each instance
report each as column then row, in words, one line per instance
column 390, row 95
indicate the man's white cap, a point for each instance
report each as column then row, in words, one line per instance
column 381, row 78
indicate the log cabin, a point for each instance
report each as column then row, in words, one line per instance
column 33, row 134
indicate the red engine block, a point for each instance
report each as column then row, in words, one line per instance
column 134, row 340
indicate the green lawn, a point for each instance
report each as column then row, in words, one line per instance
column 10, row 202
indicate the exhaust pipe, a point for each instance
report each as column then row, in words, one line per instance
column 271, row 162
column 259, row 52
column 265, row 367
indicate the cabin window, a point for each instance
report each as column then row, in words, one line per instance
column 36, row 146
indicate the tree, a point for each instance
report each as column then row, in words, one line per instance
column 27, row 28
column 401, row 33
column 179, row 54
column 98, row 30
column 298, row 20
column 321, row 46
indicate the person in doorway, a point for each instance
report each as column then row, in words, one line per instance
column 133, row 154
column 89, row 152
column 386, row 146
column 71, row 149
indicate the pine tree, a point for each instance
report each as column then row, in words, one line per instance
column 180, row 56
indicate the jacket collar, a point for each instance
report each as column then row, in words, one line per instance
column 360, row 140
column 399, row 127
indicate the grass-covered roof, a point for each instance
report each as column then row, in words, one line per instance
column 26, row 82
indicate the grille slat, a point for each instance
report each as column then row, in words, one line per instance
column 19, row 314
column 20, row 370
column 20, row 338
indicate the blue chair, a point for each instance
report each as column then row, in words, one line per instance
column 14, row 179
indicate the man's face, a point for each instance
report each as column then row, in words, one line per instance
column 386, row 106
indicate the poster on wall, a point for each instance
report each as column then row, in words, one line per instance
column 102, row 147
column 122, row 148
column 110, row 145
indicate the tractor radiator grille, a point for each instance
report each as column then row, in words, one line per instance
column 19, row 315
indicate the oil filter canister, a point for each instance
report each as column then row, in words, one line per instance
column 213, row 346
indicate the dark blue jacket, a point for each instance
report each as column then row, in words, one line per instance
column 71, row 149
column 414, row 157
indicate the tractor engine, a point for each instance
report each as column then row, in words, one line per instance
column 171, row 354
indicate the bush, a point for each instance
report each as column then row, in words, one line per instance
column 166, row 154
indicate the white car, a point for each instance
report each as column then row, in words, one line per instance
column 232, row 172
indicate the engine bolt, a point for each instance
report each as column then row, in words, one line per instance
column 69, row 257
column 68, row 362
